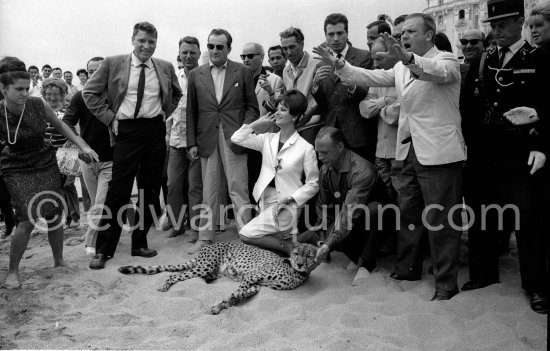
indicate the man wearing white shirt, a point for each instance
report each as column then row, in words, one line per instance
column 430, row 143
column 184, row 175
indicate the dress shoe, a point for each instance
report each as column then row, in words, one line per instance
column 473, row 285
column 143, row 252
column 199, row 245
column 538, row 303
column 193, row 236
column 172, row 233
column 444, row 295
column 396, row 276
column 98, row 262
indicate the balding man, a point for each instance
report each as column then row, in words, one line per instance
column 472, row 44
column 268, row 88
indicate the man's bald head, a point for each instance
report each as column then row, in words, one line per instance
column 472, row 44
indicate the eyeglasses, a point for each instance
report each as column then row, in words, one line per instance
column 471, row 41
column 52, row 95
column 218, row 46
column 248, row 56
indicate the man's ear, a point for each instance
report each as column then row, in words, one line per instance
column 228, row 50
column 340, row 146
column 430, row 35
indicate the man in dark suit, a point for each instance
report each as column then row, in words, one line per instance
column 339, row 103
column 220, row 99
column 133, row 94
column 505, row 107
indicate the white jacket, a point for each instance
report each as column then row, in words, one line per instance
column 297, row 156
column 429, row 105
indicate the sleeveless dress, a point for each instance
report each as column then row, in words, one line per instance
column 30, row 165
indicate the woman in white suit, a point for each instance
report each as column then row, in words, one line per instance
column 279, row 191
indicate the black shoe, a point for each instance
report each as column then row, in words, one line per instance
column 98, row 262
column 396, row 276
column 473, row 285
column 144, row 252
column 538, row 303
column 444, row 295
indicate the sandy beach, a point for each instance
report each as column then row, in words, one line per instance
column 77, row 308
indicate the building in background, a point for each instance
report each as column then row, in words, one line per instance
column 454, row 17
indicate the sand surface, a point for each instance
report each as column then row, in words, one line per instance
column 77, row 308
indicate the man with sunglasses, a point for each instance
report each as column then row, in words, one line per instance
column 220, row 99
column 472, row 44
column 505, row 156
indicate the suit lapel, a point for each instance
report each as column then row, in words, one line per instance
column 206, row 78
column 161, row 75
column 125, row 71
column 274, row 146
column 230, row 75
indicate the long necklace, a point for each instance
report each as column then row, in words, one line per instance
column 18, row 124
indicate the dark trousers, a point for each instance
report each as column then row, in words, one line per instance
column 139, row 150
column 5, row 205
column 507, row 188
column 420, row 187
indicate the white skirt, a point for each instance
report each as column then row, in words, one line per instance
column 265, row 224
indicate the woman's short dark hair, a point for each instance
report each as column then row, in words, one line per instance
column 12, row 69
column 82, row 70
column 296, row 102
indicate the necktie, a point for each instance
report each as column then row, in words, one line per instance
column 502, row 54
column 339, row 56
column 141, row 88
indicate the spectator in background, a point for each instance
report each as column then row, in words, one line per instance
column 539, row 25
column 46, row 71
column 54, row 91
column 82, row 75
column 298, row 75
column 375, row 29
column 398, row 27
column 57, row 73
column 277, row 59
column 96, row 175
column 489, row 42
column 472, row 44
column 36, row 82
column 68, row 77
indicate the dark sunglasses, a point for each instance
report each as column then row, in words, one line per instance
column 248, row 56
column 471, row 41
column 218, row 46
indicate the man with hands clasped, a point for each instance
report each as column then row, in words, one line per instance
column 430, row 144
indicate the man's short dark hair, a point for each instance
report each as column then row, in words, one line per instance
column 334, row 134
column 276, row 47
column 192, row 41
column 31, row 67
column 82, row 70
column 146, row 27
column 94, row 59
column 441, row 42
column 220, row 31
column 429, row 23
column 292, row 32
column 399, row 20
column 334, row 19
column 382, row 26
column 46, row 66
column 57, row 69
column 67, row 72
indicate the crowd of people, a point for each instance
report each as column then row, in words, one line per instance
column 370, row 153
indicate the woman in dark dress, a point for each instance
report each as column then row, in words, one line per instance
column 29, row 164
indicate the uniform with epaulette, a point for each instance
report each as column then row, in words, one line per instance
column 497, row 171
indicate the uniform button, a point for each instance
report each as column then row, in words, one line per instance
column 495, row 104
column 522, row 82
column 500, row 79
column 477, row 80
column 498, row 90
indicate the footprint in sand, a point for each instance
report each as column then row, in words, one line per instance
column 74, row 241
column 91, row 289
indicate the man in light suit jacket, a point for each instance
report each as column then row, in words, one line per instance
column 133, row 94
column 339, row 103
column 430, row 143
column 220, row 99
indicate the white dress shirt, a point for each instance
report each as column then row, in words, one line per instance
column 218, row 76
column 151, row 105
column 512, row 50
column 176, row 123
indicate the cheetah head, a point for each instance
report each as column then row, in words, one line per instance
column 302, row 257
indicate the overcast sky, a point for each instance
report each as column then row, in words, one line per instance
column 66, row 33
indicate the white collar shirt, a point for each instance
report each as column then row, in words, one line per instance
column 218, row 76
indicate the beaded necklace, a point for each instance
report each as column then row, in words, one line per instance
column 18, row 124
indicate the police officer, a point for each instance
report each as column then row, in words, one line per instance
column 503, row 91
